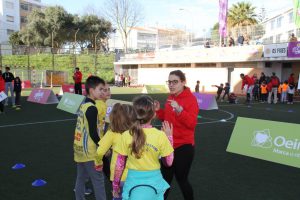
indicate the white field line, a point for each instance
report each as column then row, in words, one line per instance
column 34, row 123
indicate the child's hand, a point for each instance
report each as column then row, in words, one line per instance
column 167, row 128
column 108, row 153
column 99, row 168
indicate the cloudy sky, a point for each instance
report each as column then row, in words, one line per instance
column 193, row 15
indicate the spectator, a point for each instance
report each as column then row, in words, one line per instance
column 207, row 45
column 291, row 79
column 291, row 91
column 2, row 89
column 226, row 91
column 273, row 93
column 197, row 88
column 219, row 91
column 8, row 78
column 77, row 77
column 293, row 38
column 264, row 91
column 231, row 42
column 17, row 90
column 248, row 85
column 241, row 40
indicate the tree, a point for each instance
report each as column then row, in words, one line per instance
column 241, row 14
column 124, row 14
column 15, row 39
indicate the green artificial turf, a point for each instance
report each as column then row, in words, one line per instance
column 45, row 147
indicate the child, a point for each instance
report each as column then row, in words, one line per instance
column 120, row 120
column 86, row 140
column 284, row 91
column 290, row 93
column 141, row 148
column 197, row 87
column 264, row 92
column 256, row 91
column 219, row 91
column 232, row 98
column 2, row 89
column 226, row 91
column 17, row 90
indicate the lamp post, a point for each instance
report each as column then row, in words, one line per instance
column 192, row 20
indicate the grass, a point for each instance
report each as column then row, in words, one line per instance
column 46, row 150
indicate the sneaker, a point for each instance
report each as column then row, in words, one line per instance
column 13, row 106
column 18, row 108
column 87, row 191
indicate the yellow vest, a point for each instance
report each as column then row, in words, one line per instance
column 101, row 107
column 84, row 147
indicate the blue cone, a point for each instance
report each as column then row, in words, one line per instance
column 18, row 166
column 39, row 183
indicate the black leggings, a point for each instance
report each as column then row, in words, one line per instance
column 183, row 158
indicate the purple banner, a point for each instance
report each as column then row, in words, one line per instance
column 294, row 50
column 223, row 7
column 206, row 101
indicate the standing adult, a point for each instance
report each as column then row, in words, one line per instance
column 197, row 87
column 293, row 38
column 275, row 82
column 291, row 79
column 77, row 79
column 248, row 85
column 181, row 110
column 8, row 78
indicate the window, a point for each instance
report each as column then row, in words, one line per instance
column 278, row 38
column 24, row 6
column 23, row 19
column 10, row 18
column 291, row 17
column 272, row 24
column 9, row 5
column 9, row 31
column 279, row 21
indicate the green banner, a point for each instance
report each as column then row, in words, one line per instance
column 70, row 102
column 155, row 89
column 268, row 140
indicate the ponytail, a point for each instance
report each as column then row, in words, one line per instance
column 138, row 139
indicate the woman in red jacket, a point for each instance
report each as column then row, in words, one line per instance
column 2, row 88
column 181, row 109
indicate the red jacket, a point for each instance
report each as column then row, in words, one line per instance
column 2, row 84
column 247, row 81
column 77, row 77
column 185, row 122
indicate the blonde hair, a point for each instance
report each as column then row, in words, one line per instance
column 121, row 117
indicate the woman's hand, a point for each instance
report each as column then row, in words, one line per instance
column 167, row 128
column 175, row 106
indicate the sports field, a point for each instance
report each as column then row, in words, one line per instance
column 41, row 137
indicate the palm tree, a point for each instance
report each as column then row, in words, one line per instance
column 241, row 14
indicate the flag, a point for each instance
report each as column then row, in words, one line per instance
column 223, row 6
column 297, row 12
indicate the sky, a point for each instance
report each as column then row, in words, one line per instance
column 197, row 16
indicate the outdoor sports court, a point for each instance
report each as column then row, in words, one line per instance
column 41, row 137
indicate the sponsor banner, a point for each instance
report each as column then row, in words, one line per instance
column 206, row 101
column 70, row 89
column 294, row 50
column 299, row 82
column 42, row 96
column 155, row 89
column 110, row 104
column 275, row 50
column 70, row 102
column 267, row 140
column 3, row 96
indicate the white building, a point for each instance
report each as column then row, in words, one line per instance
column 13, row 16
column 279, row 28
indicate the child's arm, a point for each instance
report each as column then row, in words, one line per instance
column 91, row 116
column 104, row 145
column 168, row 129
column 120, row 166
column 168, row 160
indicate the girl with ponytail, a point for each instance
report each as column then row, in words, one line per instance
column 140, row 149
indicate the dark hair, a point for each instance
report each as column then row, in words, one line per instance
column 0, row 72
column 198, row 81
column 93, row 82
column 121, row 117
column 7, row 68
column 242, row 74
column 144, row 110
column 18, row 78
column 178, row 73
column 77, row 68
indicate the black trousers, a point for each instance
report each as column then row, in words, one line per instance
column 17, row 98
column 2, row 106
column 78, row 88
column 290, row 97
column 225, row 93
column 183, row 158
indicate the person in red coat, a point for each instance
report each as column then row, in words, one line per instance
column 2, row 89
column 291, row 79
column 77, row 77
column 181, row 110
column 249, row 83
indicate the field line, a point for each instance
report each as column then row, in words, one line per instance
column 34, row 123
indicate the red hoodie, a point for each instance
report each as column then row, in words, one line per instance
column 185, row 122
column 2, row 84
column 247, row 81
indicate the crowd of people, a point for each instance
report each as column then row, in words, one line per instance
column 138, row 159
column 9, row 83
column 122, row 80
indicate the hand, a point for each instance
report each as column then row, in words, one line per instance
column 156, row 105
column 174, row 104
column 116, row 194
column 167, row 128
column 108, row 153
column 99, row 168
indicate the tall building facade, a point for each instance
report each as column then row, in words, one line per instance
column 13, row 16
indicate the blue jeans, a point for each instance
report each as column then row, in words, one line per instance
column 9, row 86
